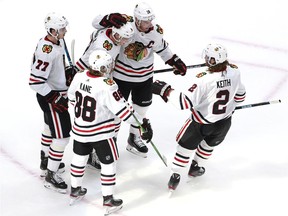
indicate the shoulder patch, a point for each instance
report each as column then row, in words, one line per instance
column 199, row 75
column 107, row 45
column 159, row 29
column 47, row 48
column 109, row 81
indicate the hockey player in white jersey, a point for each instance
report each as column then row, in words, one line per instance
column 212, row 99
column 98, row 102
column 135, row 64
column 48, row 79
column 109, row 39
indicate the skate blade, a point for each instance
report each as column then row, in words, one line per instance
column 189, row 179
column 170, row 193
column 74, row 200
column 52, row 187
column 134, row 151
column 110, row 210
column 43, row 173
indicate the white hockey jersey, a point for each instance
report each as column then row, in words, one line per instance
column 212, row 96
column 97, row 103
column 48, row 67
column 99, row 40
column 135, row 62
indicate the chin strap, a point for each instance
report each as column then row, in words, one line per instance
column 54, row 36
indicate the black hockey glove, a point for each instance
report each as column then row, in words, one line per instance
column 178, row 65
column 70, row 72
column 161, row 88
column 113, row 19
column 147, row 134
column 59, row 103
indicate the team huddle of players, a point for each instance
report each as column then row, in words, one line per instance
column 118, row 63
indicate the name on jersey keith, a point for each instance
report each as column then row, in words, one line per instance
column 223, row 83
column 85, row 87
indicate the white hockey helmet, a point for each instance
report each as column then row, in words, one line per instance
column 143, row 11
column 100, row 60
column 55, row 21
column 216, row 51
column 125, row 32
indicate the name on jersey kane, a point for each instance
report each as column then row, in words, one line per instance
column 85, row 87
column 223, row 83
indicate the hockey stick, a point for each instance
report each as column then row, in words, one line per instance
column 257, row 104
column 162, row 157
column 67, row 54
column 188, row 67
column 72, row 51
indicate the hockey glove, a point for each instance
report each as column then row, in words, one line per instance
column 113, row 19
column 70, row 72
column 161, row 88
column 178, row 65
column 59, row 103
column 146, row 132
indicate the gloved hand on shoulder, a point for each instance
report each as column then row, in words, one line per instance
column 113, row 19
column 178, row 65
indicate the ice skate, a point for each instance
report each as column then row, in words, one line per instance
column 111, row 204
column 93, row 161
column 173, row 183
column 44, row 163
column 195, row 170
column 77, row 194
column 136, row 146
column 55, row 182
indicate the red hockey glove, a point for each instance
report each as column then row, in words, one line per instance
column 59, row 103
column 161, row 88
column 70, row 72
column 147, row 134
column 113, row 19
column 178, row 65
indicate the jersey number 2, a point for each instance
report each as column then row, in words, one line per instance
column 219, row 106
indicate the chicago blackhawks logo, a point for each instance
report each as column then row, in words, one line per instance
column 106, row 45
column 47, row 48
column 136, row 51
column 201, row 74
column 159, row 29
column 109, row 81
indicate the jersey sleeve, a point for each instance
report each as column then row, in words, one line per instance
column 240, row 94
column 94, row 44
column 96, row 22
column 190, row 97
column 179, row 100
column 41, row 67
column 161, row 47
